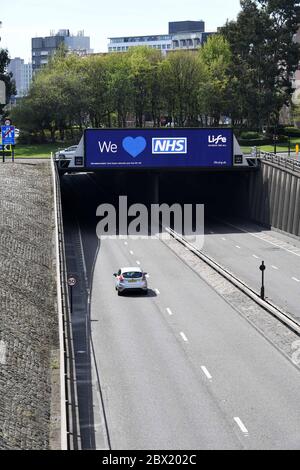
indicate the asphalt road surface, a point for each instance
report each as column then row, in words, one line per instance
column 180, row 368
column 156, row 355
column 241, row 247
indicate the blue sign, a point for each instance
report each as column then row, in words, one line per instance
column 8, row 135
column 158, row 148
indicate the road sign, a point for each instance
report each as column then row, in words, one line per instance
column 8, row 135
column 72, row 281
column 7, row 148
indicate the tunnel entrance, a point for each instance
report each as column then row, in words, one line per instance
column 222, row 193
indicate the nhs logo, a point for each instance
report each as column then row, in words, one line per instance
column 169, row 145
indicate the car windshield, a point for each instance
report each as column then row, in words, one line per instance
column 132, row 274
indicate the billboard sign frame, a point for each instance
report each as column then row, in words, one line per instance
column 183, row 143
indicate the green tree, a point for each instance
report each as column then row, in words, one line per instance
column 144, row 63
column 215, row 60
column 6, row 77
column 120, row 87
column 96, row 83
column 181, row 74
column 264, row 55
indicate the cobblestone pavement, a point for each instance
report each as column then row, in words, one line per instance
column 28, row 321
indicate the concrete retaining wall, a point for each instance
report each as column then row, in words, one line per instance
column 28, row 317
column 274, row 198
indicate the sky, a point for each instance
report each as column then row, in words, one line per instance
column 24, row 19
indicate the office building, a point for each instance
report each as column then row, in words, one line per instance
column 122, row 44
column 182, row 35
column 22, row 75
column 44, row 47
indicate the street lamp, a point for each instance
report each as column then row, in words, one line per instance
column 262, row 290
column 275, row 138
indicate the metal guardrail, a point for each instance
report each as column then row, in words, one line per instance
column 266, row 304
column 280, row 160
column 70, row 429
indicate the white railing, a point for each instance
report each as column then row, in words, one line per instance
column 280, row 160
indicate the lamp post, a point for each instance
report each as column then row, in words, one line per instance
column 72, row 281
column 262, row 289
column 275, row 138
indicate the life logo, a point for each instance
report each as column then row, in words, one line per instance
column 217, row 141
column 169, row 145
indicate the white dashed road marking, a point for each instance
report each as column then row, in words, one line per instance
column 206, row 372
column 237, row 246
column 224, row 239
column 256, row 257
column 274, row 267
column 131, row 252
column 169, row 311
column 183, row 337
column 295, row 279
column 269, row 239
column 241, row 425
column 156, row 291
column 138, row 263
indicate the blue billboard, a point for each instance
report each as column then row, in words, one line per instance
column 158, row 148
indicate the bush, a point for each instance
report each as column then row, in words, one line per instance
column 255, row 142
column 292, row 131
column 26, row 138
column 249, row 135
column 282, row 139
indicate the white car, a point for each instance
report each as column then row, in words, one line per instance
column 131, row 278
column 67, row 152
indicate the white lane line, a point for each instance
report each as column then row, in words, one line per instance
column 237, row 246
column 126, row 243
column 169, row 311
column 241, row 425
column 256, row 257
column 131, row 252
column 156, row 291
column 269, row 239
column 295, row 279
column 183, row 337
column 138, row 263
column 206, row 372
column 274, row 267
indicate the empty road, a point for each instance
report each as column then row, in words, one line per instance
column 180, row 368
